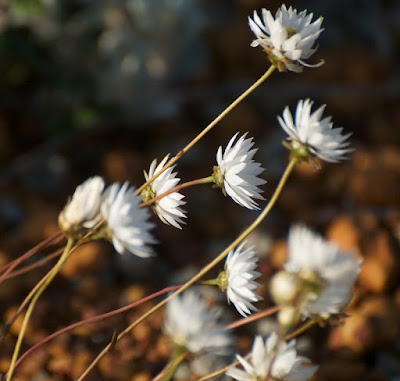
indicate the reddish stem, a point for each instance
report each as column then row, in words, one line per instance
column 253, row 317
column 12, row 265
column 174, row 189
column 39, row 263
column 95, row 319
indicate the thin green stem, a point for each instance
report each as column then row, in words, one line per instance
column 169, row 370
column 301, row 329
column 173, row 160
column 39, row 292
column 204, row 180
column 206, row 268
column 210, row 282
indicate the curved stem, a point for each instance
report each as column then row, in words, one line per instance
column 253, row 317
column 94, row 320
column 39, row 292
column 173, row 160
column 301, row 329
column 206, row 268
column 12, row 265
column 169, row 370
column 38, row 263
column 204, row 180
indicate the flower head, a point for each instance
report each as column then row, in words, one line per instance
column 167, row 208
column 309, row 134
column 127, row 225
column 83, row 210
column 288, row 39
column 239, row 276
column 191, row 324
column 279, row 359
column 237, row 173
column 327, row 275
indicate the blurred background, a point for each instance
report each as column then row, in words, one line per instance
column 105, row 86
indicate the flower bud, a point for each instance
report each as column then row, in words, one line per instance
column 288, row 317
column 285, row 288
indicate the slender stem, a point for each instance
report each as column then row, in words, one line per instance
column 301, row 329
column 94, row 320
column 222, row 370
column 253, row 317
column 12, row 265
column 39, row 292
column 169, row 370
column 210, row 282
column 206, row 268
column 38, row 263
column 173, row 160
column 204, row 180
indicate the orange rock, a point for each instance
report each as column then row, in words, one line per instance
column 344, row 233
column 89, row 257
column 373, row 276
column 355, row 334
column 384, row 318
column 142, row 376
column 278, row 254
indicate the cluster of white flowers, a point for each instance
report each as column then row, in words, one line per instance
column 288, row 39
column 275, row 358
column 317, row 279
column 191, row 324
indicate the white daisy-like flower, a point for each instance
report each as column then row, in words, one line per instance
column 237, row 173
column 328, row 275
column 288, row 38
column 239, row 279
column 128, row 226
column 309, row 134
column 276, row 358
column 168, row 208
column 191, row 324
column 83, row 210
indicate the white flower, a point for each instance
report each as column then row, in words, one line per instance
column 288, row 39
column 168, row 208
column 328, row 275
column 127, row 224
column 281, row 356
column 191, row 324
column 237, row 173
column 240, row 276
column 311, row 134
column 84, row 208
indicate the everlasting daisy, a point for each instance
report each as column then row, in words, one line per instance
column 288, row 38
column 237, row 173
column 167, row 208
column 83, row 210
column 309, row 134
column 278, row 359
column 127, row 225
column 238, row 279
column 191, row 324
column 326, row 276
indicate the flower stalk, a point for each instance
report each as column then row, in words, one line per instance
column 291, row 165
column 188, row 184
column 46, row 282
column 173, row 160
